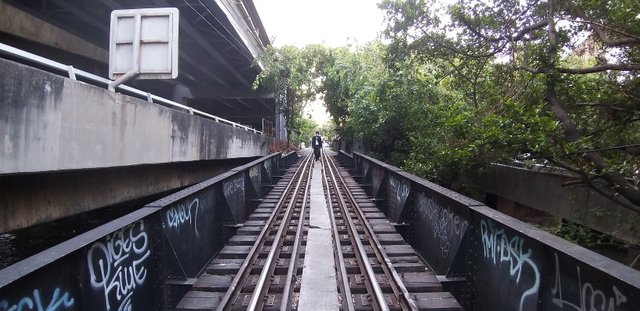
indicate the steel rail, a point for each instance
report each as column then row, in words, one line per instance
column 293, row 260
column 400, row 291
column 260, row 290
column 225, row 302
column 345, row 289
column 369, row 274
column 74, row 73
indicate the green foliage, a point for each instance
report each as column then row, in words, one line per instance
column 307, row 128
column 289, row 73
column 372, row 104
column 584, row 236
column 461, row 86
column 328, row 131
column 529, row 80
column 462, row 140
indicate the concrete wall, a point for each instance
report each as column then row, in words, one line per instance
column 52, row 123
column 67, row 147
column 576, row 203
column 30, row 199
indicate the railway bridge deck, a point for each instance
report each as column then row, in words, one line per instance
column 359, row 262
column 349, row 233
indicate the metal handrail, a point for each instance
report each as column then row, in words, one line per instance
column 100, row 81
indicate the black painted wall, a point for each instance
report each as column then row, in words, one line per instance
column 115, row 272
column 491, row 261
column 143, row 260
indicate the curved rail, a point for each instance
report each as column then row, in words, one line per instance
column 343, row 278
column 363, row 259
column 293, row 260
column 399, row 290
column 292, row 191
column 261, row 288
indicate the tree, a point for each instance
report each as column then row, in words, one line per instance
column 289, row 73
column 579, row 60
column 370, row 103
column 307, row 129
column 351, row 79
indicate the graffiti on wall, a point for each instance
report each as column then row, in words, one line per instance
column 589, row 298
column 446, row 227
column 256, row 179
column 397, row 194
column 184, row 213
column 117, row 265
column 37, row 300
column 233, row 189
column 502, row 250
column 190, row 224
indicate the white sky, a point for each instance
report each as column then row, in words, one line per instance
column 329, row 22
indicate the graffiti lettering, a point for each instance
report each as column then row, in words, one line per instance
column 401, row 188
column 34, row 302
column 501, row 248
column 445, row 224
column 254, row 172
column 232, row 186
column 116, row 266
column 590, row 299
column 178, row 215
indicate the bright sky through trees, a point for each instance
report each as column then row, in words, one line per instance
column 329, row 22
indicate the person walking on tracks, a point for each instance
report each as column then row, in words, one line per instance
column 316, row 143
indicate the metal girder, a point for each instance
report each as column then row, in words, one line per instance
column 245, row 104
column 208, row 40
column 203, row 24
column 239, row 44
column 239, row 98
column 191, row 31
column 269, row 108
column 219, row 102
column 31, row 25
column 80, row 14
column 115, row 6
column 112, row 4
column 204, row 71
column 232, row 93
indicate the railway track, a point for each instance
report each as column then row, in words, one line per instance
column 262, row 265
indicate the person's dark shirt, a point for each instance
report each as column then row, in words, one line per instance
column 316, row 142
